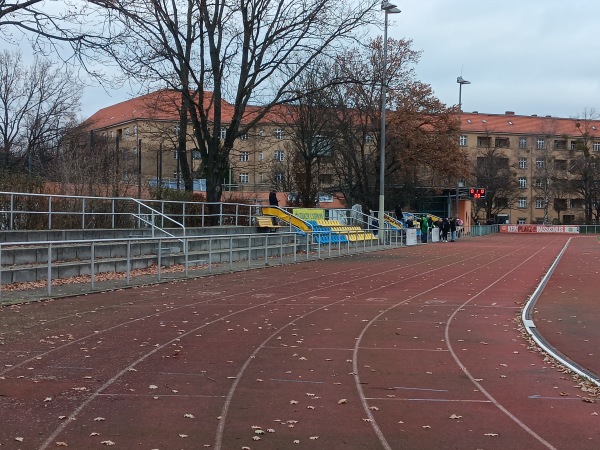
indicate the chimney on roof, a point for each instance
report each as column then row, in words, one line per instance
column 510, row 113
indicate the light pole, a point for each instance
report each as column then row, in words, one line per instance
column 388, row 8
column 460, row 80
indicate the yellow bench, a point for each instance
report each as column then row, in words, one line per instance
column 266, row 222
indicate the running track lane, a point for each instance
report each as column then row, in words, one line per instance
column 408, row 338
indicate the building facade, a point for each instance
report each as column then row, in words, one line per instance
column 544, row 155
column 540, row 153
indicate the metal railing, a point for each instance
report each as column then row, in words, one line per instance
column 154, row 258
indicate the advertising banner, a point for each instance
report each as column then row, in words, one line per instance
column 309, row 213
column 539, row 229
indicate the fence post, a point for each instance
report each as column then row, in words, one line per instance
column 92, row 251
column 83, row 214
column 12, row 210
column 128, row 261
column 49, row 213
column 49, row 280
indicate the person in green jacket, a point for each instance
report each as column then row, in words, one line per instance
column 424, row 230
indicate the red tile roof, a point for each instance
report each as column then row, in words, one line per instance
column 163, row 105
column 526, row 125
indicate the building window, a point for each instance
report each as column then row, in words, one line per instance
column 127, row 132
column 175, row 155
column 279, row 133
column 539, row 183
column 540, row 143
column 523, row 142
column 279, row 177
column 369, row 138
column 539, row 163
column 501, row 202
column 560, row 164
column 575, row 203
column 596, row 146
column 484, row 141
column 223, row 133
column 261, row 177
column 502, row 142
column 573, row 145
column 521, row 221
column 522, row 182
column 539, row 203
column 278, row 155
column 244, row 178
column 135, row 130
column 260, row 155
column 244, row 156
column 244, row 137
column 522, row 202
column 462, row 140
column 560, row 144
column 522, row 163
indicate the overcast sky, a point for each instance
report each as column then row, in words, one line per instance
column 527, row 56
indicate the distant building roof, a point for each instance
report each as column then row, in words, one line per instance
column 509, row 123
column 163, row 105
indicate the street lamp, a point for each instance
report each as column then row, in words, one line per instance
column 460, row 80
column 388, row 8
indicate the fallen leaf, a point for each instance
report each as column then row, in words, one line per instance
column 107, row 443
column 189, row 416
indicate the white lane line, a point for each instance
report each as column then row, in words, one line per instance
column 442, row 400
column 406, row 388
column 359, row 388
column 229, row 398
column 296, row 381
column 471, row 377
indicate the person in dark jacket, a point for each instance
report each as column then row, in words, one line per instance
column 273, row 201
column 445, row 229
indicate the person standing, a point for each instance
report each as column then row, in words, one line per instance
column 424, row 230
column 445, row 229
column 453, row 229
column 399, row 215
column 273, row 200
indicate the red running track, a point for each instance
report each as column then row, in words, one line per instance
column 415, row 348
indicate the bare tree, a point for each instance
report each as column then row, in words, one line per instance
column 52, row 28
column 492, row 171
column 211, row 51
column 36, row 104
column 422, row 134
column 583, row 165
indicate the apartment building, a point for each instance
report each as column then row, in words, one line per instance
column 538, row 149
column 541, row 151
column 144, row 129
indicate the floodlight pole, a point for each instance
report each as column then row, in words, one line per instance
column 388, row 8
column 460, row 80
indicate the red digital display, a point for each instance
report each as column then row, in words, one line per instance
column 477, row 193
